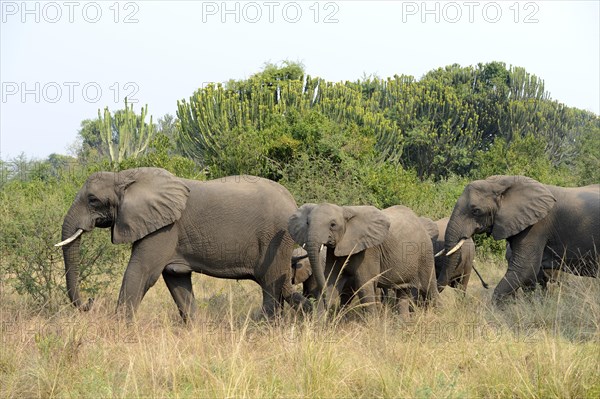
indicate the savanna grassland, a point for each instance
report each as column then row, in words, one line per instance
column 542, row 345
column 375, row 141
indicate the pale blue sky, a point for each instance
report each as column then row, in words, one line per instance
column 171, row 48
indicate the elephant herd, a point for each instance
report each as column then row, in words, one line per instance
column 246, row 227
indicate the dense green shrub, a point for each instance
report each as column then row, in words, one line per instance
column 587, row 167
column 161, row 154
column 524, row 156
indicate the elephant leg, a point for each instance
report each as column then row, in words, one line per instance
column 347, row 294
column 272, row 298
column 339, row 290
column 180, row 287
column 523, row 267
column 274, row 275
column 512, row 280
column 366, row 295
column 388, row 296
column 463, row 280
column 403, row 299
column 460, row 283
column 149, row 256
column 136, row 282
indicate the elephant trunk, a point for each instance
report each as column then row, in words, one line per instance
column 450, row 262
column 72, row 240
column 317, row 264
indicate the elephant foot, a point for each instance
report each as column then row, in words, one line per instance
column 501, row 299
column 86, row 307
column 300, row 303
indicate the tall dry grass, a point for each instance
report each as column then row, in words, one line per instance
column 544, row 345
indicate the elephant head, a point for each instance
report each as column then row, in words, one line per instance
column 502, row 206
column 346, row 230
column 133, row 203
column 301, row 270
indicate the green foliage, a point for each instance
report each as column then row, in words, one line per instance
column 31, row 216
column 161, row 154
column 522, row 156
column 588, row 148
column 90, row 148
column 433, row 126
column 271, row 118
column 125, row 134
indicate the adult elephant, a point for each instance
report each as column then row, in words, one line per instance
column 367, row 247
column 539, row 221
column 234, row 227
column 459, row 277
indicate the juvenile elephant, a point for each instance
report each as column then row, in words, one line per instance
column 367, row 248
column 459, row 278
column 234, row 227
column 542, row 223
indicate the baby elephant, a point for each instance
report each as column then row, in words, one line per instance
column 302, row 273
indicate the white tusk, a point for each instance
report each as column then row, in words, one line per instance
column 70, row 239
column 320, row 249
column 439, row 253
column 303, row 245
column 456, row 247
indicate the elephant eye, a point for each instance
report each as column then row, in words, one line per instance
column 477, row 212
column 94, row 201
column 333, row 225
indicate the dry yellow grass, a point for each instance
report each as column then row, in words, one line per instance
column 547, row 345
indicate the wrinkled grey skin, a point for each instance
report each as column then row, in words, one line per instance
column 545, row 275
column 366, row 248
column 234, row 228
column 459, row 278
column 302, row 274
column 539, row 221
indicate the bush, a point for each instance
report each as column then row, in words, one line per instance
column 314, row 179
column 587, row 164
column 161, row 154
column 524, row 156
column 31, row 216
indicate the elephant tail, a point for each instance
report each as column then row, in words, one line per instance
column 485, row 285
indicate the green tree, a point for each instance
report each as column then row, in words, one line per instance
column 432, row 126
column 90, row 146
column 587, row 163
column 125, row 134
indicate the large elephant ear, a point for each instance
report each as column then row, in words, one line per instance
column 366, row 227
column 298, row 223
column 522, row 203
column 149, row 199
column 430, row 226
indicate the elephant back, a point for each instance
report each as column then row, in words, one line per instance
column 406, row 227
